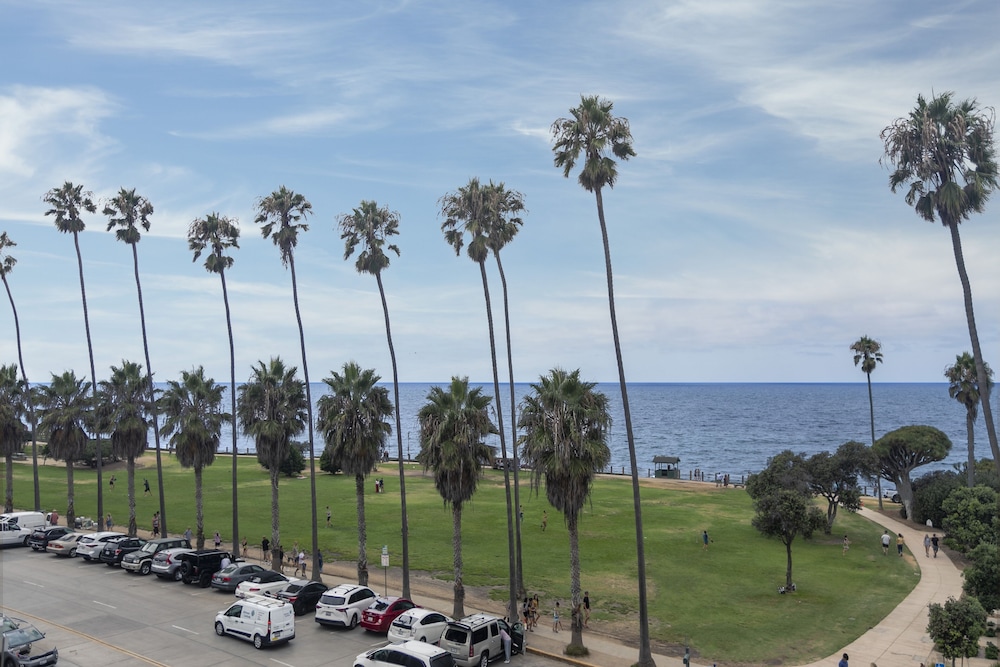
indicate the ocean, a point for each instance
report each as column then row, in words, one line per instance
column 731, row 428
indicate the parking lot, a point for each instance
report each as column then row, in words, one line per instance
column 101, row 616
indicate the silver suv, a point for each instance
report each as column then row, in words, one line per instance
column 475, row 640
column 141, row 561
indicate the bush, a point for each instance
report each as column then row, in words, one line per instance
column 969, row 515
column 982, row 578
column 930, row 492
column 295, row 460
column 992, row 653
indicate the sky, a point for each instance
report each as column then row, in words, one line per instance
column 753, row 236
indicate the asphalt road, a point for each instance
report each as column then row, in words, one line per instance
column 100, row 616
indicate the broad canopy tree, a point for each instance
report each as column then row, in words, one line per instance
column 904, row 449
column 957, row 626
column 835, row 477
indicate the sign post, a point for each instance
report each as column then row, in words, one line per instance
column 385, row 568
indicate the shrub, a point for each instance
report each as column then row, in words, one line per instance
column 982, row 578
column 992, row 653
column 969, row 515
column 929, row 494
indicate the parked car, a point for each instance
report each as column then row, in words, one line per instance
column 167, row 563
column 267, row 583
column 475, row 640
column 383, row 611
column 424, row 625
column 115, row 550
column 411, row 654
column 40, row 536
column 141, row 561
column 258, row 619
column 90, row 545
column 65, row 545
column 198, row 566
column 302, row 594
column 342, row 605
column 28, row 643
column 229, row 577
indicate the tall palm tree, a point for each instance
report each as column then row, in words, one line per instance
column 565, row 442
column 453, row 426
column 68, row 203
column 944, row 153
column 592, row 131
column 963, row 386
column 123, row 405
column 272, row 410
column 370, row 226
column 13, row 432
column 868, row 353
column 354, row 421
column 7, row 262
column 65, row 408
column 193, row 417
column 472, row 210
column 128, row 211
column 219, row 234
column 279, row 214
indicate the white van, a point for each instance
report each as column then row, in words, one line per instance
column 261, row 620
column 16, row 527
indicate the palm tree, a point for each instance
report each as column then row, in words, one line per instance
column 128, row 211
column 124, row 406
column 369, row 226
column 944, row 152
column 354, row 421
column 221, row 233
column 193, row 416
column 566, row 429
column 279, row 214
column 593, row 130
column 272, row 410
column 963, row 386
column 868, row 353
column 7, row 263
column 472, row 210
column 68, row 203
column 13, row 432
column 453, row 425
column 65, row 408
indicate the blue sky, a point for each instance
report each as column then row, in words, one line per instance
column 754, row 237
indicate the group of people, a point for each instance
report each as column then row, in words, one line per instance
column 379, row 485
column 530, row 613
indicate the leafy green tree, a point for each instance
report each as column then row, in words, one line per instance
column 272, row 410
column 835, row 477
column 963, row 386
column 982, row 578
column 279, row 214
column 943, row 154
column 65, row 409
column 904, row 449
column 295, row 462
column 868, row 353
column 354, row 421
column 123, row 405
column 969, row 515
column 565, row 423
column 453, row 426
column 592, row 131
column 218, row 234
column 930, row 492
column 13, row 432
column 7, row 262
column 783, row 503
column 128, row 212
column 193, row 417
column 371, row 226
column 68, row 203
column 956, row 627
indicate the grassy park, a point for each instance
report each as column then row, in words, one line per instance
column 723, row 601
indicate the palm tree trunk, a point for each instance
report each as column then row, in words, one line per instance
column 31, row 408
column 276, row 563
column 970, row 431
column 70, row 504
column 93, row 388
column 232, row 399
column 8, row 496
column 576, row 614
column 458, row 610
column 199, row 510
column 788, row 566
column 152, row 394
column 871, row 410
column 133, row 529
column 309, row 409
column 645, row 650
column 359, row 490
column 511, row 569
column 981, row 377
column 399, row 441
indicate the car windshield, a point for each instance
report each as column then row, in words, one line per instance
column 229, row 569
column 25, row 634
column 294, row 588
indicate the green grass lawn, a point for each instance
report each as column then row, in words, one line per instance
column 723, row 601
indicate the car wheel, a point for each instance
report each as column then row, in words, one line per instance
column 205, row 582
column 354, row 622
column 145, row 568
column 258, row 641
column 219, row 629
column 178, row 574
column 72, row 553
column 485, row 659
column 186, row 573
column 111, row 564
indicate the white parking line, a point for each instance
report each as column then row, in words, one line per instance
column 282, row 663
column 31, row 583
column 185, row 629
column 103, row 604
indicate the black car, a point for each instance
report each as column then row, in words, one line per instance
column 115, row 550
column 40, row 537
column 231, row 576
column 303, row 595
column 198, row 566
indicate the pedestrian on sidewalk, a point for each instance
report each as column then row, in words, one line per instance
column 187, row 534
column 885, row 542
column 899, row 544
column 843, row 661
column 556, row 623
column 935, row 543
column 586, row 609
column 265, row 550
column 505, row 640
column 927, row 545
column 243, row 544
column 156, row 524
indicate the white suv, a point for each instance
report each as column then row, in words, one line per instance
column 342, row 606
column 410, row 654
column 90, row 546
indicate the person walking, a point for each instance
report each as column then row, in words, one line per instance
column 218, row 540
column 927, row 545
column 935, row 543
column 556, row 622
column 885, row 542
column 545, row 520
column 145, row 484
column 109, row 522
column 301, row 564
column 265, row 549
column 328, row 515
column 243, row 545
column 847, row 545
column 704, row 540
column 586, row 609
column 899, row 544
column 843, row 661
column 156, row 524
column 187, row 534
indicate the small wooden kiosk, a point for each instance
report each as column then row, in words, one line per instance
column 666, row 466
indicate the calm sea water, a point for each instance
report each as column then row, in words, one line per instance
column 733, row 428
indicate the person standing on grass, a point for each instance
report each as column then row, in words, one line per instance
column 545, row 520
column 328, row 515
column 885, row 542
column 704, row 540
column 145, row 484
column 899, row 544
column 847, row 545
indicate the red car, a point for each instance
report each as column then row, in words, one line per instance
column 383, row 611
